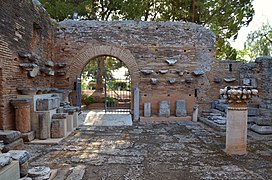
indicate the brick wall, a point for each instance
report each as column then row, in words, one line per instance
column 23, row 26
column 142, row 46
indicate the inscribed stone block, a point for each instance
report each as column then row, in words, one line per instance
column 58, row 128
column 181, row 108
column 147, row 109
column 164, row 109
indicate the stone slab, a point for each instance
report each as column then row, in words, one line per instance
column 10, row 171
column 253, row 111
column 77, row 173
column 136, row 103
column 39, row 171
column 265, row 130
column 181, row 108
column 9, row 136
column 5, row 159
column 147, row 109
column 27, row 137
column 16, row 145
column 263, row 121
column 20, row 155
column 164, row 109
column 221, row 107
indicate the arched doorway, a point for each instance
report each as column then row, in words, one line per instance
column 106, row 84
column 90, row 52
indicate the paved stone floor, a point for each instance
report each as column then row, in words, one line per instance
column 100, row 118
column 183, row 150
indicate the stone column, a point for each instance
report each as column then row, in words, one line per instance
column 236, row 130
column 22, row 114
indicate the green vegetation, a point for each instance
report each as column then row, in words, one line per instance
column 87, row 100
column 223, row 17
column 259, row 43
column 111, row 102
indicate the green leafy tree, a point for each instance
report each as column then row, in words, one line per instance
column 258, row 43
column 91, row 70
column 223, row 17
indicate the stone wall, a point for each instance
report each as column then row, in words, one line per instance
column 142, row 46
column 24, row 27
column 54, row 55
column 263, row 75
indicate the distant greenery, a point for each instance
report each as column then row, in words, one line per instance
column 224, row 17
column 92, row 70
column 258, row 43
column 111, row 102
column 87, row 100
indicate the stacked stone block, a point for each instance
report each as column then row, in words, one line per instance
column 12, row 140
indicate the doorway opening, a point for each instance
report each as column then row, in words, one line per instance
column 106, row 85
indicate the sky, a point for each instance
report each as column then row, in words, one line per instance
column 263, row 14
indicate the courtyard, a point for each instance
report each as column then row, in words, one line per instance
column 165, row 150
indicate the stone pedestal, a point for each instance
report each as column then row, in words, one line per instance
column 147, row 109
column 236, row 130
column 22, row 111
column 59, row 125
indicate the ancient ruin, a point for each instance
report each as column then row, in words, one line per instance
column 175, row 76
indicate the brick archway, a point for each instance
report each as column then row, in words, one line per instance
column 88, row 53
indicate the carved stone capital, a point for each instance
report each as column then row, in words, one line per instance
column 238, row 96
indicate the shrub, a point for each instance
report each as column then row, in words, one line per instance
column 87, row 100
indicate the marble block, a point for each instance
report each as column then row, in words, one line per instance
column 147, row 109
column 181, row 108
column 164, row 109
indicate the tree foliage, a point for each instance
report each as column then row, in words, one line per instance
column 258, row 43
column 223, row 17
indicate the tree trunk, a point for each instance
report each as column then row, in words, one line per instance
column 193, row 11
column 99, row 78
